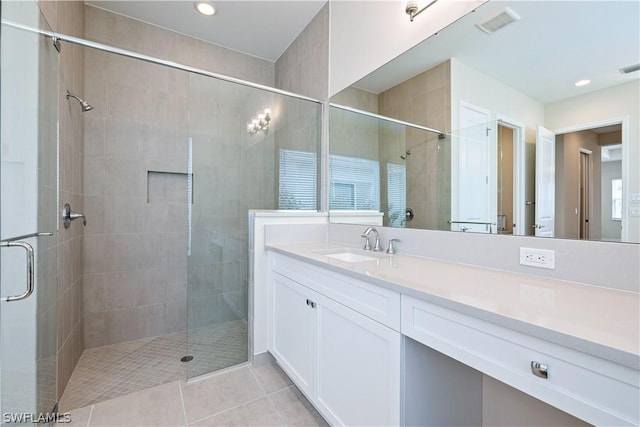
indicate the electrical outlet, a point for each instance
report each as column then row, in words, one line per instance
column 542, row 258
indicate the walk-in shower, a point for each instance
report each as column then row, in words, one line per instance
column 170, row 173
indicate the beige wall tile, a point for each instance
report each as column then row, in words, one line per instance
column 303, row 67
column 94, row 330
column 121, row 325
column 68, row 18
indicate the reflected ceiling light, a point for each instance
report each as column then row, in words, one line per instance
column 260, row 123
column 205, row 8
column 412, row 8
column 582, row 83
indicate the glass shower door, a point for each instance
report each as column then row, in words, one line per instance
column 237, row 165
column 28, row 216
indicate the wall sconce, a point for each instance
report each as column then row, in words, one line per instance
column 260, row 123
column 411, row 8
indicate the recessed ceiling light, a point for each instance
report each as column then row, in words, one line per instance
column 582, row 83
column 205, row 8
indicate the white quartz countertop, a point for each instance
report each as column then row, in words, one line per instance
column 596, row 320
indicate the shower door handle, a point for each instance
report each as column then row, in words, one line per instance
column 30, row 259
column 12, row 243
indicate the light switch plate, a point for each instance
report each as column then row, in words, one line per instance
column 542, row 258
column 634, row 197
column 634, row 211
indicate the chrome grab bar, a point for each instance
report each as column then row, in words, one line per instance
column 490, row 224
column 471, row 222
column 12, row 242
column 27, row 236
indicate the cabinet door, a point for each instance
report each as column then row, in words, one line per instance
column 358, row 367
column 293, row 331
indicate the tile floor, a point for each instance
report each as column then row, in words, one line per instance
column 107, row 372
column 243, row 396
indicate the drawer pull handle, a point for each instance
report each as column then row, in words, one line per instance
column 539, row 370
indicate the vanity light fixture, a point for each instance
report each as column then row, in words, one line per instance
column 412, row 9
column 260, row 123
column 630, row 69
column 205, row 7
column 582, row 83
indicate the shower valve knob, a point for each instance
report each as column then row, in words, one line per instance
column 68, row 215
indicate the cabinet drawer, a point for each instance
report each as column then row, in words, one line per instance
column 593, row 389
column 378, row 303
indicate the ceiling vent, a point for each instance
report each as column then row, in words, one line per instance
column 630, row 69
column 501, row 20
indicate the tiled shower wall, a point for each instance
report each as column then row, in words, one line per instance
column 425, row 100
column 67, row 17
column 304, row 67
column 134, row 177
column 233, row 172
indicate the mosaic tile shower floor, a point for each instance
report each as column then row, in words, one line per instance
column 115, row 370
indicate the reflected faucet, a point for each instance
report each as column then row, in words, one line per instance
column 367, row 245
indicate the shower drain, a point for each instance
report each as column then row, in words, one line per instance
column 186, row 358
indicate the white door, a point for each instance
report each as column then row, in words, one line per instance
column 358, row 368
column 293, row 339
column 545, row 182
column 472, row 209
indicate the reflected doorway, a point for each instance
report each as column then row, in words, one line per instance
column 589, row 183
column 505, row 177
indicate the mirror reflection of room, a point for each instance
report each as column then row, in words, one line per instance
column 510, row 162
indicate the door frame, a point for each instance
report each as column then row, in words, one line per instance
column 586, row 198
column 519, row 148
column 624, row 122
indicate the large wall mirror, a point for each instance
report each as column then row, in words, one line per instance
column 490, row 126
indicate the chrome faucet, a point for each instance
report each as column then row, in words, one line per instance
column 367, row 245
column 392, row 250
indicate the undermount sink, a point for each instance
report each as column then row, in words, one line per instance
column 351, row 255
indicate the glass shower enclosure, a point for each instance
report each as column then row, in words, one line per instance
column 249, row 148
column 28, row 227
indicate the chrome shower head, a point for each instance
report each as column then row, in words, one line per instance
column 83, row 104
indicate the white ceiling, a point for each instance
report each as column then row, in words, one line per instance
column 555, row 44
column 263, row 28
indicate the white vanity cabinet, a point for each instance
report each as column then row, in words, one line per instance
column 595, row 390
column 344, row 361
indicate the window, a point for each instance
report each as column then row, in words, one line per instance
column 354, row 183
column 616, row 199
column 297, row 189
column 397, row 194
